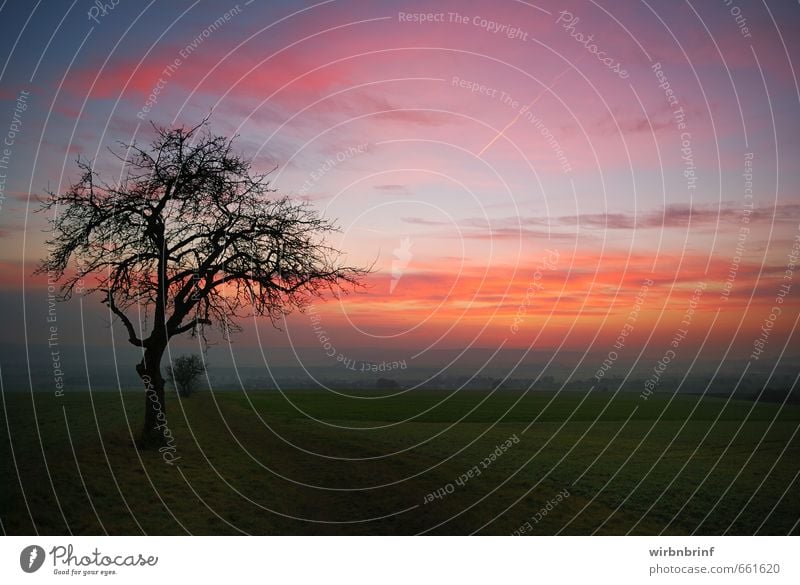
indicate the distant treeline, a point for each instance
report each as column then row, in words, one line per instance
column 767, row 388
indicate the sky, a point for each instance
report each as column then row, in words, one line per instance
column 557, row 177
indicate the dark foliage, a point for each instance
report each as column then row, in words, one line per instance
column 184, row 373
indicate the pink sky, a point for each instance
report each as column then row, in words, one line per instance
column 375, row 121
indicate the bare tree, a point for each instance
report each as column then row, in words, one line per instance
column 190, row 237
column 184, row 372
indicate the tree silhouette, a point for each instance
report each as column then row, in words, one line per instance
column 183, row 373
column 189, row 237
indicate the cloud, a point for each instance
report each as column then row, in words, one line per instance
column 423, row 221
column 389, row 187
column 579, row 284
column 510, row 233
column 242, row 75
column 510, row 228
column 414, row 116
column 670, row 216
column 658, row 119
column 363, row 101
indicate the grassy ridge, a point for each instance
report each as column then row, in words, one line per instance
column 258, row 464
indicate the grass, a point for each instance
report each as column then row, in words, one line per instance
column 260, row 464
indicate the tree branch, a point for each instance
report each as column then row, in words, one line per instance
column 189, row 326
column 132, row 337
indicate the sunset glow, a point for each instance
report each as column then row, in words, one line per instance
column 457, row 148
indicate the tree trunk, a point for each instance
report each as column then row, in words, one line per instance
column 155, row 432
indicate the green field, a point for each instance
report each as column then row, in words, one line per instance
column 257, row 464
